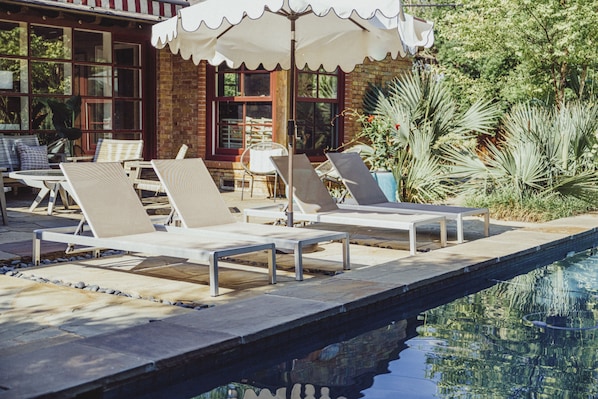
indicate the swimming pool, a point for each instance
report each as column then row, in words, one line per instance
column 532, row 336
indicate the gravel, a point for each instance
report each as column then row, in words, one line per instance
column 13, row 268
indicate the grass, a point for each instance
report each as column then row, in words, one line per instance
column 531, row 208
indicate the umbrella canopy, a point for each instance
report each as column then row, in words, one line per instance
column 293, row 34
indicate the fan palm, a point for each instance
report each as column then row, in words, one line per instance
column 542, row 152
column 420, row 118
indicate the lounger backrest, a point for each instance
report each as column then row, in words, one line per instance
column 357, row 178
column 107, row 199
column 113, row 150
column 192, row 192
column 309, row 192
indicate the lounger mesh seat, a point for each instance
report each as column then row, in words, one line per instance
column 367, row 194
column 199, row 206
column 116, row 219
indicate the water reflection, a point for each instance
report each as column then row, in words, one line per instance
column 533, row 336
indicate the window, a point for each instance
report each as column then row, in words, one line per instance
column 243, row 109
column 45, row 67
column 243, row 105
column 317, row 107
column 14, row 78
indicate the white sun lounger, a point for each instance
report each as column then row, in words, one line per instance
column 368, row 195
column 316, row 205
column 196, row 201
column 116, row 219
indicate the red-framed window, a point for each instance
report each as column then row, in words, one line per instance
column 242, row 107
column 44, row 65
column 318, row 99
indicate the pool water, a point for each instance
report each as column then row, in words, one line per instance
column 533, row 336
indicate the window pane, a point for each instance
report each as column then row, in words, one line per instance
column 13, row 38
column 127, row 54
column 257, row 84
column 328, row 87
column 92, row 46
column 93, row 81
column 41, row 111
column 51, row 77
column 230, row 111
column 259, row 110
column 229, row 85
column 50, row 42
column 316, row 132
column 230, row 133
column 13, row 113
column 126, row 83
column 13, row 75
column 127, row 115
column 307, row 85
column 98, row 115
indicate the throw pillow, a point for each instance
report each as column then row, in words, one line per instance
column 33, row 157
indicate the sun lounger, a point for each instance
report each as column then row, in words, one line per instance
column 199, row 206
column 316, row 205
column 368, row 195
column 116, row 219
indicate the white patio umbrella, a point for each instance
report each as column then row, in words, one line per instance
column 293, row 34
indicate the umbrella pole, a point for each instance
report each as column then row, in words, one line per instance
column 292, row 124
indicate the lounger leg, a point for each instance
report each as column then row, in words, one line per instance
column 213, row 274
column 487, row 224
column 443, row 233
column 36, row 250
column 3, row 204
column 412, row 240
column 298, row 262
column 460, row 237
column 346, row 257
column 272, row 264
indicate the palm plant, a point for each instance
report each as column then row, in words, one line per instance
column 543, row 152
column 419, row 117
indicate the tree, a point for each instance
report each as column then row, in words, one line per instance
column 517, row 50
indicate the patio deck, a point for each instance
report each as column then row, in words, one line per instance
column 105, row 342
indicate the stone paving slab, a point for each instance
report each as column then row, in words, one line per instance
column 258, row 317
column 71, row 367
column 101, row 339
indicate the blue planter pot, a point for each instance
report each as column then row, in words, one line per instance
column 387, row 183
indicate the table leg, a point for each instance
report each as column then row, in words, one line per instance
column 43, row 192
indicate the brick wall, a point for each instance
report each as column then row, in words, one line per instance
column 356, row 83
column 182, row 104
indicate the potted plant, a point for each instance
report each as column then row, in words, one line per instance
column 380, row 150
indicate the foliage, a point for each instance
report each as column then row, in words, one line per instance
column 544, row 154
column 62, row 114
column 486, row 345
column 413, row 119
column 517, row 50
column 534, row 208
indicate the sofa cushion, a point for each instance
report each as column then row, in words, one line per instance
column 9, row 157
column 33, row 156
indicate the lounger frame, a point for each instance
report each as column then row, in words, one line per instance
column 369, row 197
column 140, row 243
column 411, row 225
column 199, row 207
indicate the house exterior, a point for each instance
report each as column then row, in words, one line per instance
column 100, row 51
